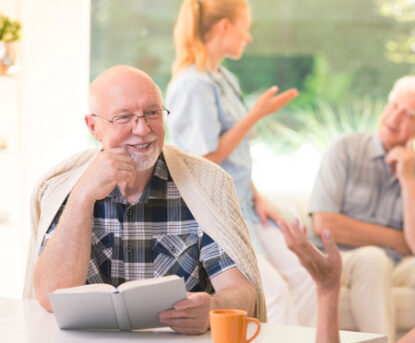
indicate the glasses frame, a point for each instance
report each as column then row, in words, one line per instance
column 136, row 116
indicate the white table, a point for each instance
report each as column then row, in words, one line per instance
column 25, row 321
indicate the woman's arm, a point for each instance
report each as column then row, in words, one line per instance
column 325, row 269
column 266, row 104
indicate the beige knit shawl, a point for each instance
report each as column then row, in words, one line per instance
column 206, row 188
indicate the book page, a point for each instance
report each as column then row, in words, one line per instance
column 84, row 310
column 145, row 302
column 95, row 287
column 146, row 282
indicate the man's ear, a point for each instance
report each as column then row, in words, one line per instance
column 91, row 124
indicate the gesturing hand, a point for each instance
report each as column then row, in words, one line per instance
column 269, row 102
column 325, row 269
column 189, row 316
column 109, row 168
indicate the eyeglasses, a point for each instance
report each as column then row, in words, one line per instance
column 124, row 119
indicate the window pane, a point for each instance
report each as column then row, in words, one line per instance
column 343, row 56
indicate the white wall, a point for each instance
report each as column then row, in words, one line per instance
column 48, row 99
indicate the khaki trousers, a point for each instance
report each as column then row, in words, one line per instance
column 370, row 274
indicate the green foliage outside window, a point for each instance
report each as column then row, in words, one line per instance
column 334, row 51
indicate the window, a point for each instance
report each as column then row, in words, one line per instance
column 343, row 56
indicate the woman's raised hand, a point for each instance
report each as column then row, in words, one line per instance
column 326, row 268
column 270, row 102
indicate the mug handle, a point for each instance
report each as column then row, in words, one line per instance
column 256, row 321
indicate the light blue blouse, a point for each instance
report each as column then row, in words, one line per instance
column 204, row 105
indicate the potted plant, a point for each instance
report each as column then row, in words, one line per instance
column 9, row 33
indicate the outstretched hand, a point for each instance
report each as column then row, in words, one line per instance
column 325, row 269
column 270, row 102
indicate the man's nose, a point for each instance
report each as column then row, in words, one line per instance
column 141, row 127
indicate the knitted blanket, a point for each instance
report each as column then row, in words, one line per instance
column 207, row 190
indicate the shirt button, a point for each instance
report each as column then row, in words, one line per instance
column 130, row 214
column 129, row 249
column 173, row 249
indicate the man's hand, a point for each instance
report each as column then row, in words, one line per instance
column 109, row 168
column 402, row 160
column 265, row 209
column 402, row 247
column 325, row 269
column 189, row 316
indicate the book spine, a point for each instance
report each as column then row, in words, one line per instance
column 121, row 311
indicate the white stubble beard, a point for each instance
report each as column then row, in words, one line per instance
column 145, row 161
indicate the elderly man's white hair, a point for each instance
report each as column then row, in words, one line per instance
column 406, row 83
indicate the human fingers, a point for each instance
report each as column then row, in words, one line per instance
column 124, row 165
column 187, row 303
column 330, row 245
column 171, row 314
column 270, row 92
column 410, row 144
column 262, row 215
column 298, row 230
column 190, row 327
column 199, row 300
column 280, row 220
column 304, row 249
column 284, row 229
column 131, row 172
column 118, row 150
column 392, row 156
column 284, row 98
column 290, row 239
column 273, row 214
column 125, row 176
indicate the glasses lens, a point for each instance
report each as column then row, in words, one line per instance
column 153, row 114
column 123, row 119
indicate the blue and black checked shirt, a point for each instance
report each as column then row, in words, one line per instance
column 155, row 236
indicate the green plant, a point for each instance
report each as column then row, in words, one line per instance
column 9, row 30
column 401, row 48
column 320, row 124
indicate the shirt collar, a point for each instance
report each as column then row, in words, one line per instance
column 376, row 149
column 155, row 189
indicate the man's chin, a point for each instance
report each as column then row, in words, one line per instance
column 145, row 162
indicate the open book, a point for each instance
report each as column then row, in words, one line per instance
column 133, row 305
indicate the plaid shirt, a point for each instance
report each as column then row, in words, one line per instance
column 155, row 236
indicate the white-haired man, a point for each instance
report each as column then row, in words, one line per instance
column 137, row 208
column 365, row 195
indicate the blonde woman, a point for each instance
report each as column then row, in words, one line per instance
column 209, row 118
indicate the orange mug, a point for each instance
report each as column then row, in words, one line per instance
column 230, row 326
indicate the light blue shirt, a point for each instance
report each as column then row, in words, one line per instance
column 204, row 105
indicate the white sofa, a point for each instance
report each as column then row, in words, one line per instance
column 292, row 205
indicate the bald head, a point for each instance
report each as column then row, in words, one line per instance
column 120, row 80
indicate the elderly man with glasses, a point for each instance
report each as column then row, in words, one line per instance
column 137, row 209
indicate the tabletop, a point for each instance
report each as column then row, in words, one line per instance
column 25, row 321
